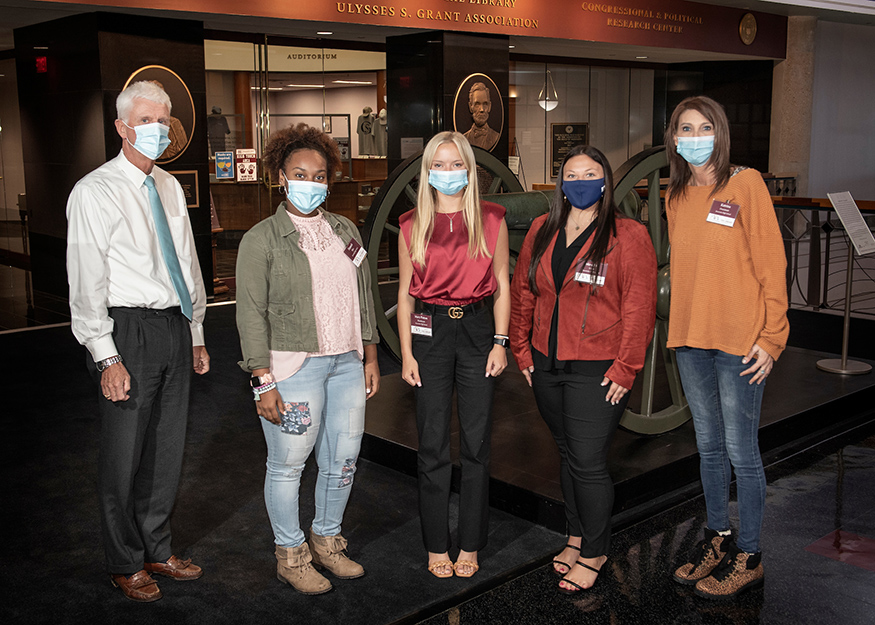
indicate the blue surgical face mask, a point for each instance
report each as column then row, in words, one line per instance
column 305, row 195
column 583, row 193
column 448, row 182
column 696, row 150
column 152, row 139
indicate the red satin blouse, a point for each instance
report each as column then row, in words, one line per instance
column 449, row 276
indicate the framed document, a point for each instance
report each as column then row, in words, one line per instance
column 188, row 181
column 563, row 137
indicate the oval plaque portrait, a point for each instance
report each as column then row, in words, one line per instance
column 182, row 116
column 478, row 111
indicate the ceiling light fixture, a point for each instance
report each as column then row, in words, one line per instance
column 324, row 32
column 548, row 98
column 352, row 82
column 308, row 86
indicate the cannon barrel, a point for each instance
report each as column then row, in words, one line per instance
column 522, row 209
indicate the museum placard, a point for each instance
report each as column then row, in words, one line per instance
column 563, row 137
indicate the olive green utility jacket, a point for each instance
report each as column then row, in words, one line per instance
column 275, row 290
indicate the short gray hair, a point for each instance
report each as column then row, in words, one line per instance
column 145, row 89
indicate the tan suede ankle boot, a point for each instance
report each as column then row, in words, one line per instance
column 329, row 551
column 293, row 567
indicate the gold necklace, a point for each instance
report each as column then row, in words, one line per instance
column 576, row 224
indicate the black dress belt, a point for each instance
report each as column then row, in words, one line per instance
column 147, row 312
column 454, row 312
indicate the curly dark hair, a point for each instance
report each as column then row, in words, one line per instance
column 300, row 137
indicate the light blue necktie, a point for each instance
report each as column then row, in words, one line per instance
column 167, row 249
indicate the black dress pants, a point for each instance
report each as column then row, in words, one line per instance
column 142, row 439
column 583, row 425
column 455, row 354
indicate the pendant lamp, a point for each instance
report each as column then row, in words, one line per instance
column 548, row 98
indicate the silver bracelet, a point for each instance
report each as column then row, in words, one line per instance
column 108, row 362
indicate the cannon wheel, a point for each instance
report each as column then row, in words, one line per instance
column 646, row 165
column 396, row 196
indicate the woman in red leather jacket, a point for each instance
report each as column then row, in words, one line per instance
column 583, row 302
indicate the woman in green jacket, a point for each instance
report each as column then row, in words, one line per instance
column 305, row 315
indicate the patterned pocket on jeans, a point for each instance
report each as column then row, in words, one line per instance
column 296, row 419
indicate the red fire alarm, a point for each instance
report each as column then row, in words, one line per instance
column 42, row 65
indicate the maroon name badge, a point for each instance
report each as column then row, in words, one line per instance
column 723, row 213
column 355, row 252
column 583, row 273
column 420, row 323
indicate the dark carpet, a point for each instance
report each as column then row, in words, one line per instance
column 52, row 563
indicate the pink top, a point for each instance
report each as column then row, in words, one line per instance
column 449, row 276
column 335, row 297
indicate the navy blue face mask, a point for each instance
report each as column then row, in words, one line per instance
column 583, row 193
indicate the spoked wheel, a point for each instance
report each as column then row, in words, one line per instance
column 646, row 165
column 396, row 196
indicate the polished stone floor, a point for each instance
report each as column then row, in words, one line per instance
column 818, row 554
column 818, row 538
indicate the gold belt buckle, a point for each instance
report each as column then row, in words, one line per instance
column 456, row 312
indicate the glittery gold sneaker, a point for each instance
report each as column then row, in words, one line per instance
column 704, row 559
column 737, row 572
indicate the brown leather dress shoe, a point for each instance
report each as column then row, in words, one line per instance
column 138, row 587
column 180, row 570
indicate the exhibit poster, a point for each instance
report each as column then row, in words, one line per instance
column 224, row 165
column 247, row 165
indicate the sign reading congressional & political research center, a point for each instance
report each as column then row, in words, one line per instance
column 852, row 220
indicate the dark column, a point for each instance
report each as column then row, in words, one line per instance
column 424, row 72
column 744, row 88
column 67, row 115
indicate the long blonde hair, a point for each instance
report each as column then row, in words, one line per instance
column 426, row 201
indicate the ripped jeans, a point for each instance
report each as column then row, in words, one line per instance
column 325, row 411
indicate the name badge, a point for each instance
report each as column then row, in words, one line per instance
column 583, row 273
column 723, row 213
column 420, row 323
column 355, row 252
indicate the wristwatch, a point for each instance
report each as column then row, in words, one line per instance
column 259, row 381
column 501, row 340
column 107, row 362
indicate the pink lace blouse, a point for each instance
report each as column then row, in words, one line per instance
column 335, row 297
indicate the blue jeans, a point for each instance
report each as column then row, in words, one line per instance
column 325, row 411
column 726, row 416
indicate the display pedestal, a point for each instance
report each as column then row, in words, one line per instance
column 844, row 366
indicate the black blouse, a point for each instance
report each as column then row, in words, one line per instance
column 561, row 262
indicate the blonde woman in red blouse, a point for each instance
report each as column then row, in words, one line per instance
column 453, row 314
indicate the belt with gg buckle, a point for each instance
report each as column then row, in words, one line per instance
column 453, row 312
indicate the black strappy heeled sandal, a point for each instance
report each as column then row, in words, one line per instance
column 577, row 587
column 565, row 564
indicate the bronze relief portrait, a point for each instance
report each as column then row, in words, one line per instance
column 478, row 111
column 182, row 116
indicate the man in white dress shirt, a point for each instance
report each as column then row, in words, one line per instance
column 137, row 302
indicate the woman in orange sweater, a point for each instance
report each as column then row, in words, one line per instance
column 728, row 326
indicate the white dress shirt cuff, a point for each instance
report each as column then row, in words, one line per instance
column 102, row 348
column 197, row 334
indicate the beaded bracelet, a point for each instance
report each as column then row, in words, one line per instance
column 263, row 389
